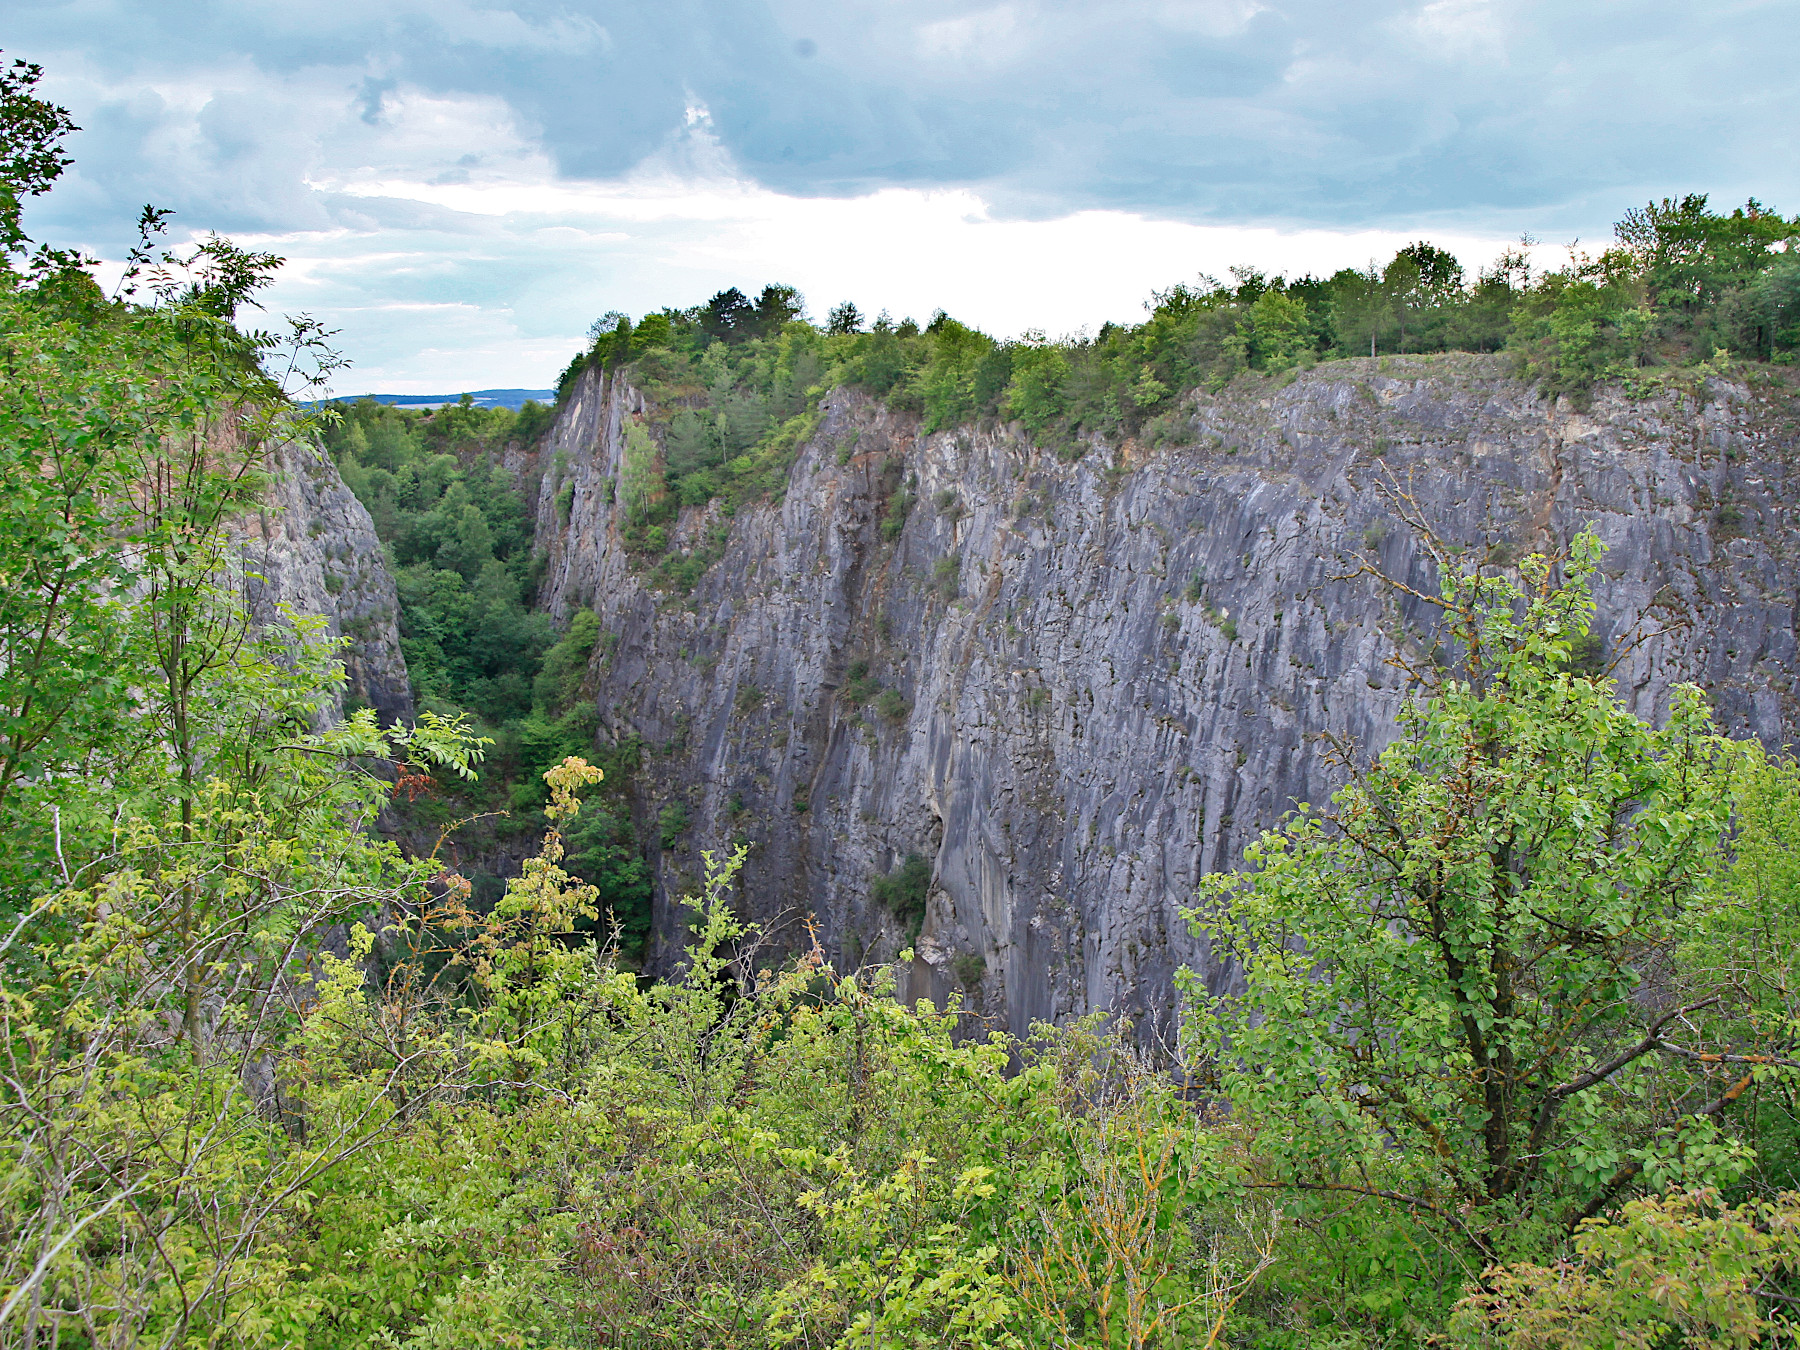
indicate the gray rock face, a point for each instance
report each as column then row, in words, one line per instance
column 1111, row 673
column 313, row 548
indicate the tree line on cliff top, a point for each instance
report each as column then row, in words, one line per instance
column 1511, row 1062
column 735, row 381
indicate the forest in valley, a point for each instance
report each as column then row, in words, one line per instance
column 1511, row 1061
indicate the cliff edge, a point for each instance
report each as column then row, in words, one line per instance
column 1072, row 685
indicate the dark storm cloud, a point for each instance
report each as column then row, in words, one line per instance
column 1304, row 111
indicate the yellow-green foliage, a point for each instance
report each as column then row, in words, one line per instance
column 751, row 1156
column 266, row 1082
column 1680, row 1269
column 641, row 486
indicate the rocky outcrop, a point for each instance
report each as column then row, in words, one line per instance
column 1109, row 673
column 313, row 548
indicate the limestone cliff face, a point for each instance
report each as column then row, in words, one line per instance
column 1075, row 738
column 313, row 547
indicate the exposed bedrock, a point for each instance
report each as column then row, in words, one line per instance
column 313, row 547
column 1075, row 736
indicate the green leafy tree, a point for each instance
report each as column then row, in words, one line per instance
column 1689, row 256
column 845, row 319
column 1362, row 313
column 776, row 307
column 1447, row 996
column 1036, row 395
column 1740, row 958
column 1423, row 286
column 604, row 851
column 728, row 316
column 73, row 421
column 1275, row 331
column 641, row 485
column 1762, row 320
column 31, row 154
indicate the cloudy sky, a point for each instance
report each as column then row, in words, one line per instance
column 460, row 186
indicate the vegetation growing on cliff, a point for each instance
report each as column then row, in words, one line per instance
column 732, row 382
column 267, row 1082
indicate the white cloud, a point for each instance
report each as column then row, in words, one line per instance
column 1218, row 18
column 987, row 37
column 539, row 258
column 565, row 33
column 418, row 132
column 479, row 154
column 1460, row 30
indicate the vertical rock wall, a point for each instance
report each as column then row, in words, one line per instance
column 1108, row 674
column 312, row 547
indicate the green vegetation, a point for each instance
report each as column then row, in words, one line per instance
column 458, row 532
column 903, row 891
column 671, row 824
column 970, row 967
column 1677, row 1270
column 735, row 384
column 859, row 685
column 1510, row 1062
column 946, row 575
column 1520, row 970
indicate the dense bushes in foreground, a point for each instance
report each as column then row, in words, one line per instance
column 1531, row 1084
column 1512, row 1061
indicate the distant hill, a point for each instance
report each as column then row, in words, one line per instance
column 482, row 398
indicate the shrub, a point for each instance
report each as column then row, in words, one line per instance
column 894, row 512
column 1170, row 429
column 945, row 574
column 859, row 685
column 671, row 824
column 565, row 664
column 1682, row 1269
column 903, row 891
